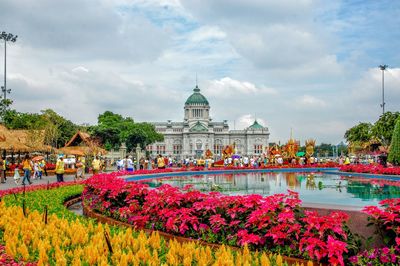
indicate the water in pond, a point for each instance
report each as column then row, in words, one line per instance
column 315, row 189
column 76, row 208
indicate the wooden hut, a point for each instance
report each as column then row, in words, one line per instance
column 82, row 144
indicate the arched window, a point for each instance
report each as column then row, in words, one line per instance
column 218, row 147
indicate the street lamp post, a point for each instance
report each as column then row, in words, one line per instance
column 7, row 37
column 383, row 68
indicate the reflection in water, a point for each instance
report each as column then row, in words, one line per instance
column 291, row 181
column 310, row 183
column 372, row 191
column 312, row 187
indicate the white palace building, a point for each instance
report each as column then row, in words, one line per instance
column 198, row 133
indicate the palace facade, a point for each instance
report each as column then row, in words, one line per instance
column 198, row 133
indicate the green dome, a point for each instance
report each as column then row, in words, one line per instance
column 256, row 125
column 196, row 98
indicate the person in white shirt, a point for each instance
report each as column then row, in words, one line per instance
column 35, row 170
column 246, row 161
column 128, row 164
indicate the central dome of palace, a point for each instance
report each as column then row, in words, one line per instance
column 196, row 98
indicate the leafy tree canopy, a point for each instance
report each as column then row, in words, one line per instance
column 359, row 133
column 113, row 129
column 58, row 130
column 383, row 128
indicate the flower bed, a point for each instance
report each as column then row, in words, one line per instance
column 276, row 223
column 6, row 259
column 66, row 240
column 370, row 169
column 387, row 222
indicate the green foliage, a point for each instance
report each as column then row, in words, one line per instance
column 53, row 198
column 113, row 129
column 394, row 154
column 359, row 133
column 63, row 129
column 58, row 130
column 4, row 107
column 383, row 128
column 17, row 120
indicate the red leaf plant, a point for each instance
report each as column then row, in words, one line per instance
column 386, row 219
column 276, row 222
column 370, row 169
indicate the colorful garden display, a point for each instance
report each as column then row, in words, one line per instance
column 28, row 237
column 261, row 225
column 275, row 223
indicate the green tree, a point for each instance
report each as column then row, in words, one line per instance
column 394, row 153
column 383, row 128
column 108, row 129
column 143, row 134
column 359, row 134
column 113, row 129
column 58, row 130
column 324, row 149
column 18, row 120
column 4, row 108
column 62, row 129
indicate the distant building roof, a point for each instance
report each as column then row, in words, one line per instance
column 78, row 139
column 198, row 127
column 196, row 98
column 256, row 125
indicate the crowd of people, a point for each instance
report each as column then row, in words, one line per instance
column 131, row 164
column 33, row 168
column 26, row 169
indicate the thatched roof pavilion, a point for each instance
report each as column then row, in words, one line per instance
column 10, row 143
column 33, row 139
column 82, row 144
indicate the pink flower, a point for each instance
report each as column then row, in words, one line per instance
column 336, row 249
column 245, row 238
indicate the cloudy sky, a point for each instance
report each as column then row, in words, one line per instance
column 310, row 66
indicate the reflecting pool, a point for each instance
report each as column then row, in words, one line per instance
column 315, row 189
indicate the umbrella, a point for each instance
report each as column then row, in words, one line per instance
column 300, row 153
column 37, row 158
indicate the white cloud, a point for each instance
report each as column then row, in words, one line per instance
column 246, row 120
column 227, row 86
column 80, row 69
column 310, row 101
column 293, row 63
column 207, row 33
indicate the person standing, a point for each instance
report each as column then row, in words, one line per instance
column 43, row 164
column 160, row 162
column 60, row 169
column 83, row 161
column 17, row 177
column 4, row 168
column 129, row 164
column 36, row 170
column 27, row 166
column 96, row 165
column 40, row 168
column 2, row 175
column 79, row 169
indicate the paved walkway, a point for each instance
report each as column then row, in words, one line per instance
column 10, row 183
